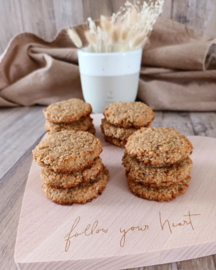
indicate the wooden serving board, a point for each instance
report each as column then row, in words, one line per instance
column 119, row 230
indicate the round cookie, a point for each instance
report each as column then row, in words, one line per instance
column 158, row 146
column 156, row 176
column 115, row 131
column 82, row 193
column 67, row 151
column 83, row 124
column 128, row 114
column 63, row 180
column 158, row 194
column 67, row 111
column 114, row 141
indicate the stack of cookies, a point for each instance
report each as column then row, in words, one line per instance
column 122, row 119
column 72, row 171
column 72, row 114
column 157, row 163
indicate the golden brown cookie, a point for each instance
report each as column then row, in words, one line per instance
column 114, row 141
column 128, row 114
column 67, row 111
column 83, row 124
column 69, row 180
column 116, row 132
column 67, row 151
column 158, row 194
column 91, row 129
column 82, row 193
column 156, row 176
column 158, row 146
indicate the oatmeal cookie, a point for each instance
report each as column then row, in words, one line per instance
column 83, row 124
column 156, row 176
column 129, row 114
column 159, row 194
column 67, row 111
column 82, row 193
column 158, row 146
column 115, row 131
column 67, row 151
column 117, row 142
column 63, row 180
column 91, row 129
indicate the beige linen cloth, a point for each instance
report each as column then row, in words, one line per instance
column 178, row 70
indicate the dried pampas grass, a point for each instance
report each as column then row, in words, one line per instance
column 126, row 30
column 74, row 37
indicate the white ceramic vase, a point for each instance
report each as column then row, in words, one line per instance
column 109, row 77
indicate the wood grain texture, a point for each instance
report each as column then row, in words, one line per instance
column 171, row 266
column 13, row 183
column 12, row 187
column 47, row 223
column 12, row 122
column 201, row 263
column 47, row 17
column 194, row 13
column 204, row 124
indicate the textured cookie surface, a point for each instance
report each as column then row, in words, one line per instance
column 67, row 111
column 158, row 146
column 67, row 151
column 81, row 125
column 69, row 180
column 156, row 176
column 82, row 193
column 158, row 194
column 115, row 131
column 129, row 114
column 117, row 142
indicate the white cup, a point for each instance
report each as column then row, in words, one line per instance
column 109, row 77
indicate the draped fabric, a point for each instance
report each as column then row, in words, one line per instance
column 178, row 70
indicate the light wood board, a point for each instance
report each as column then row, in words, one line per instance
column 117, row 242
